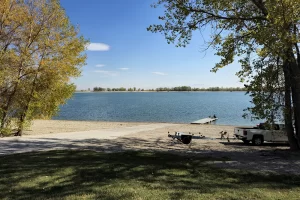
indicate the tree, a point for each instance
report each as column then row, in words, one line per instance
column 122, row 89
column 271, row 94
column 99, row 89
column 266, row 87
column 40, row 52
column 12, row 15
column 241, row 28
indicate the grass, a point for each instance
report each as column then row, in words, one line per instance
column 133, row 175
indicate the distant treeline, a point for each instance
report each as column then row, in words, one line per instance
column 122, row 89
column 166, row 89
column 188, row 88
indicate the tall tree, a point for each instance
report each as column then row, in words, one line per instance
column 239, row 28
column 44, row 53
column 270, row 89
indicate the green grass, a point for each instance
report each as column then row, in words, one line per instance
column 133, row 175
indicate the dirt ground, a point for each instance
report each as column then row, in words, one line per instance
column 274, row 158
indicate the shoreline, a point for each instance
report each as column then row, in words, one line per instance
column 98, row 121
column 148, row 91
column 137, row 122
column 61, row 126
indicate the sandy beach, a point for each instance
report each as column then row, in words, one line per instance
column 39, row 127
column 121, row 136
column 60, row 126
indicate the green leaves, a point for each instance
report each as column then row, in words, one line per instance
column 261, row 34
column 242, row 24
column 41, row 52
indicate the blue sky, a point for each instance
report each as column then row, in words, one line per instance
column 124, row 54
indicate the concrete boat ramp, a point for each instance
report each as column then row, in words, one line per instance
column 70, row 140
column 204, row 121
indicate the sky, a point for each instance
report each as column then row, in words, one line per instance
column 122, row 53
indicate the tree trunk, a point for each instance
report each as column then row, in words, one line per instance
column 24, row 113
column 296, row 103
column 10, row 99
column 295, row 83
column 288, row 111
column 294, row 113
column 6, row 108
column 21, row 125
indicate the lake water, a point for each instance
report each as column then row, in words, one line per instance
column 181, row 107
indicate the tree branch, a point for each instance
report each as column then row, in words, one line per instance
column 226, row 18
column 260, row 5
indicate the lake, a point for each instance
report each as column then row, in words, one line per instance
column 177, row 107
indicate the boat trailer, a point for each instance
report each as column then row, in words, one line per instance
column 186, row 138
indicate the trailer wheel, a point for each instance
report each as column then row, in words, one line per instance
column 246, row 141
column 186, row 139
column 257, row 140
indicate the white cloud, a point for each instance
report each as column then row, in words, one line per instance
column 160, row 73
column 124, row 68
column 107, row 73
column 98, row 47
column 100, row 65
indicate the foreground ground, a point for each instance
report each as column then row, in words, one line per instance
column 111, row 160
column 119, row 137
column 134, row 175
